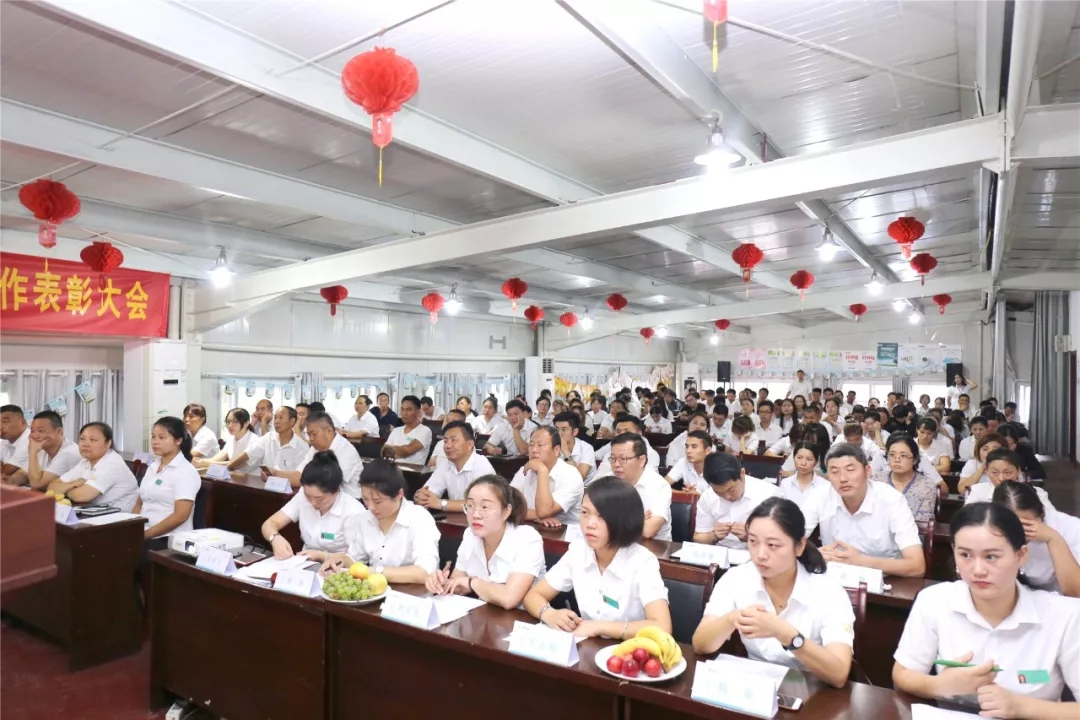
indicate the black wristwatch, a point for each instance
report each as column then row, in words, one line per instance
column 796, row 643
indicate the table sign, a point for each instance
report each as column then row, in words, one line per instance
column 745, row 693
column 738, row 556
column 410, row 610
column 540, row 642
column 65, row 514
column 218, row 472
column 278, row 484
column 701, row 554
column 217, row 561
column 851, row 575
column 304, row 583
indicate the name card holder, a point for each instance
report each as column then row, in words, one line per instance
column 218, row 472
column 741, row 692
column 217, row 561
column 304, row 583
column 540, row 642
column 65, row 515
column 704, row 555
column 851, row 575
column 410, row 610
column 278, row 484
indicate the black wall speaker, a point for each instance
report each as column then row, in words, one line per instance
column 952, row 370
column 723, row 371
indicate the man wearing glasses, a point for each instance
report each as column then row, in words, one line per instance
column 629, row 463
column 551, row 487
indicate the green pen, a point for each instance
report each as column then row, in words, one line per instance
column 955, row 664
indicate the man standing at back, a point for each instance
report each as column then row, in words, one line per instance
column 799, row 387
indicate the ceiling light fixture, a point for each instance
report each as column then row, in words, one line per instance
column 221, row 275
column 661, row 331
column 828, row 248
column 898, row 305
column 453, row 304
column 586, row 322
column 714, row 339
column 718, row 154
column 875, row 286
column 915, row 317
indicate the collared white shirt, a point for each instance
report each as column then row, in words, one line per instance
column 712, row 508
column 17, row 453
column 939, row 447
column 721, row 433
column 634, row 408
column 967, row 448
column 270, row 452
column 882, row 527
column 948, row 430
column 781, row 447
column 503, row 437
column 656, row 497
column 595, row 418
column 1039, row 568
column 653, row 456
column 750, row 441
column 969, row 469
column 110, row 477
column 482, row 426
column 845, row 409
column 790, row 488
column 399, row 436
column 627, row 585
column 803, row 388
column 65, row 458
column 953, row 393
column 684, row 470
column 437, row 413
column 819, row 608
column 771, row 434
column 323, row 531
column 677, row 449
column 205, row 442
column 447, row 478
column 521, row 550
column 663, row 425
column 1042, row 633
column 567, row 487
column 413, row 539
column 549, row 419
column 582, row 454
column 162, row 486
column 348, row 459
column 984, row 492
column 365, row 423
column 234, row 447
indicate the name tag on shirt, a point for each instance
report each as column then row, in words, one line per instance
column 217, row 472
column 540, row 642
column 278, row 484
column 216, row 560
column 410, row 610
column 701, row 554
column 65, row 515
column 328, row 536
column 851, row 575
column 1032, row 677
column 304, row 583
column 742, row 692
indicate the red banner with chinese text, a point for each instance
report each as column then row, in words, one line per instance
column 72, row 298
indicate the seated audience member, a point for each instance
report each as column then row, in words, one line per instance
column 363, row 424
column 50, row 454
column 204, row 442
column 974, row 470
column 320, row 509
column 955, row 426
column 1053, row 539
column 323, row 436
column 787, row 417
column 743, row 439
column 967, row 445
column 510, row 437
column 101, row 477
column 500, row 557
column 690, row 468
column 656, row 421
column 1009, row 411
column 849, row 404
column 241, row 439
column 963, row 404
column 872, row 429
column 616, row 408
column 15, row 442
column 453, row 476
column 720, row 424
column 486, row 423
column 746, row 409
column 783, row 605
column 544, row 415
column 811, row 414
column 630, row 464
column 283, row 448
column 1030, row 464
column 262, row 418
column 393, row 536
column 831, row 419
column 1001, row 466
column 677, row 448
column 864, row 522
column 815, row 433
column 387, row 418
column 934, row 447
column 596, row 416
column 302, row 411
column 625, row 424
column 410, row 441
column 809, row 475
column 924, row 405
column 768, row 429
column 552, row 489
column 575, row 451
column 903, row 475
column 166, row 496
column 429, row 411
column 438, row 455
column 692, row 404
column 993, row 418
column 990, row 618
column 616, row 581
column 901, row 420
column 730, row 397
column 783, row 446
column 728, row 501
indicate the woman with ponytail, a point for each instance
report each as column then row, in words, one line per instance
column 168, row 490
column 500, row 556
column 784, row 607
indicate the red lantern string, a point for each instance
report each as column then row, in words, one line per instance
column 906, row 231
column 101, row 257
column 568, row 320
column 802, row 280
column 52, row 203
column 923, row 264
column 647, row 333
column 722, row 325
column 747, row 256
column 433, row 302
column 616, row 302
column 534, row 315
column 716, row 13
column 941, row 301
column 858, row 310
column 515, row 289
column 335, row 295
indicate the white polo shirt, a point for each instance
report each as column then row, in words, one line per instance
column 656, row 497
column 790, row 489
column 781, row 447
column 677, row 449
column 969, row 469
column 17, row 453
column 653, row 461
column 567, row 487
column 483, row 426
column 366, row 423
column 547, row 420
column 399, row 436
column 967, row 448
column 413, row 539
column 1039, row 568
column 984, row 492
column 663, row 425
column 521, row 550
column 595, row 418
column 819, row 608
column 323, row 531
column 270, row 452
column 772, row 434
column 721, row 433
column 748, row 443
column 447, row 478
column 65, row 458
column 437, row 413
column 110, row 477
column 684, row 470
column 1042, row 633
column 712, row 508
column 939, row 447
column 803, row 388
column 583, row 454
column 162, row 486
column 348, row 459
column 503, row 436
column 205, row 442
column 629, row 583
column 953, row 393
column 234, row 447
column 882, row 527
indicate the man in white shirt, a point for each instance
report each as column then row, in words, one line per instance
column 615, row 409
column 864, row 522
column 799, row 387
column 574, row 450
column 15, row 439
column 628, row 424
column 438, row 455
column 363, row 424
column 410, row 442
column 690, row 468
column 628, row 462
column 50, row 454
column 552, row 489
column 848, row 405
column 967, row 445
column 323, row 436
column 720, row 423
column 767, row 429
column 282, row 449
column 729, row 500
column 463, row 465
column 512, row 436
column 427, row 407
column 262, row 418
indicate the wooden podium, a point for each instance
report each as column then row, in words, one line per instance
column 27, row 538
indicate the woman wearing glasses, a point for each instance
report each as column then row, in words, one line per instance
column 500, row 557
column 921, row 493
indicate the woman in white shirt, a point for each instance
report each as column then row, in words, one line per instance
column 937, row 449
column 1053, row 539
column 785, row 608
column 615, row 580
column 974, row 471
column 363, row 424
column 500, row 557
column 655, row 422
column 484, row 424
column 1016, row 648
column 746, row 408
column 543, row 415
column 238, row 423
column 787, row 417
column 832, row 420
column 809, row 461
column 394, row 536
column 596, row 416
column 204, row 442
column 101, row 477
column 742, row 438
column 320, row 508
column 169, row 487
column 959, row 387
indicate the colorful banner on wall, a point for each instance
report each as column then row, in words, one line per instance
column 886, row 360
column 71, row 298
column 888, row 356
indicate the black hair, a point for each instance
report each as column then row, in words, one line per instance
column 789, row 517
column 721, row 468
column 900, row 412
column 796, row 433
column 316, row 407
column 316, row 417
column 543, row 398
column 291, row 412
column 720, row 409
column 816, row 448
column 627, row 417
column 568, row 416
column 411, row 399
column 742, row 425
column 427, row 401
column 977, row 420
column 699, row 414
column 53, row 418
column 324, row 472
column 989, row 412
column 240, row 415
column 929, row 423
column 19, row 410
column 1005, row 454
column 997, row 516
column 175, row 427
column 545, row 393
column 190, row 409
column 103, row 428
column 816, row 433
column 619, row 505
column 636, row 441
column 1019, row 496
column 381, row 394
column 515, row 404
column 815, row 390
column 465, row 428
column 843, row 450
column 703, row 436
column 384, row 477
column 508, row 496
column 990, row 437
column 899, row 438
column 304, row 405
column 1010, row 405
column 1007, row 430
column 552, row 433
column 457, row 411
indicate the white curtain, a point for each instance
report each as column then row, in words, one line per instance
column 31, row 389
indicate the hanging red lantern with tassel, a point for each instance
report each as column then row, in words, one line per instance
column 101, row 257
column 51, row 203
column 380, row 81
column 716, row 13
column 335, row 295
column 906, row 231
column 858, row 310
column 747, row 256
column 647, row 333
column 802, row 280
column 923, row 264
column 722, row 325
column 941, row 301
column 616, row 302
column 534, row 315
column 433, row 302
column 568, row 320
column 515, row 289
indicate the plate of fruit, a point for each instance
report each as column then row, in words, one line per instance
column 355, row 586
column 651, row 656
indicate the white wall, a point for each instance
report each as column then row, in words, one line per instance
column 59, row 353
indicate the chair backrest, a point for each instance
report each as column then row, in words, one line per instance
column 435, row 426
column 761, row 466
column 689, row 588
column 858, row 604
column 956, row 466
column 448, row 549
column 662, row 439
column 683, row 515
column 952, row 480
column 369, row 447
column 200, row 510
column 926, row 534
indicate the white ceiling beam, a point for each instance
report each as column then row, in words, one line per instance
column 1050, row 135
column 1069, row 281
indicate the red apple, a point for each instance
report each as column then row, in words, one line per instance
column 653, row 668
column 631, row 668
column 641, row 655
column 615, row 664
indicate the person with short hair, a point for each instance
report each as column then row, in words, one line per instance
column 630, row 464
column 452, row 478
column 960, row 386
column 511, row 437
column 14, row 441
column 1053, row 539
column 485, row 423
column 363, row 423
column 625, row 424
column 728, row 501
column 282, row 449
column 324, row 436
column 768, row 429
column 438, row 454
column 720, row 424
column 799, row 387
column 1009, row 411
column 1002, row 465
column 743, row 439
column 204, row 442
column 656, row 421
column 690, row 468
column 544, row 416
column 166, row 496
column 1030, row 464
column 903, row 474
column 967, row 445
column 616, row 408
column 677, row 447
column 935, row 448
column 383, row 413
column 596, row 416
column 551, row 487
column 50, row 453
column 410, row 441
column 101, row 477
column 262, row 418
column 303, row 409
column 429, row 411
column 974, row 470
column 574, row 450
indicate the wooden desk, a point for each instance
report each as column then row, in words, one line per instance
column 27, row 538
column 243, row 652
column 886, row 614
column 243, row 504
column 948, row 507
column 90, row 607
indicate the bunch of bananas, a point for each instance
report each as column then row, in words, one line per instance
column 654, row 641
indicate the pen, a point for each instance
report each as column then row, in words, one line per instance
column 954, row 664
column 446, row 576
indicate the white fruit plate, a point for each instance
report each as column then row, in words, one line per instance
column 603, row 654
column 369, row 601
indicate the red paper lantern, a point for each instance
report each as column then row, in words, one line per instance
column 716, row 13
column 802, row 280
column 941, row 301
column 102, row 257
column 923, row 264
column 433, row 302
column 335, row 295
column 858, row 310
column 568, row 320
column 647, row 333
column 747, row 256
column 906, row 231
column 534, row 315
column 616, row 302
column 515, row 289
column 51, row 203
column 722, row 325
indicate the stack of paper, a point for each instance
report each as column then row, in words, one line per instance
column 454, row 607
column 109, row 519
column 261, row 571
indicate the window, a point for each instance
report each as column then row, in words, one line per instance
column 1023, row 401
column 240, row 398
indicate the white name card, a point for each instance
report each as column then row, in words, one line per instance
column 410, row 610
column 704, row 555
column 278, row 484
column 540, row 642
column 738, row 556
column 304, row 583
column 217, row 472
column 65, row 514
column 851, row 575
column 216, row 560
column 745, row 693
